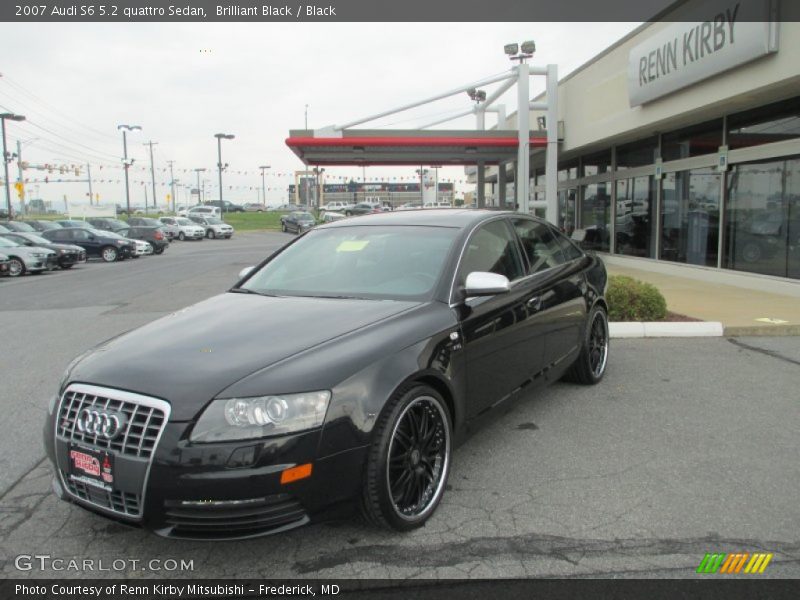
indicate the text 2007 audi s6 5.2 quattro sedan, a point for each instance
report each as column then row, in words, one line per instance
column 339, row 373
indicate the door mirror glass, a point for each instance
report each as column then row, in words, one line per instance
column 481, row 283
column 245, row 272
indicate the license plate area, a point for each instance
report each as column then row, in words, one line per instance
column 91, row 466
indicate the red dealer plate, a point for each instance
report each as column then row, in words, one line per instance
column 95, row 467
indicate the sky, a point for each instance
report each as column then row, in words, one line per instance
column 182, row 83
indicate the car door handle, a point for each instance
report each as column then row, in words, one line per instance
column 534, row 303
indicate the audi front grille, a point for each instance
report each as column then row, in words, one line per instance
column 139, row 436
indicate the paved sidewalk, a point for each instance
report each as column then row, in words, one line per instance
column 737, row 308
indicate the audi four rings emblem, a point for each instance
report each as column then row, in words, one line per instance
column 99, row 423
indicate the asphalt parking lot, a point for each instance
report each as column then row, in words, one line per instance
column 688, row 446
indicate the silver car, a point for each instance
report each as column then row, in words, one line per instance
column 189, row 230
column 27, row 259
column 215, row 228
column 170, row 227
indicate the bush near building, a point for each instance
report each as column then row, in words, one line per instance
column 632, row 300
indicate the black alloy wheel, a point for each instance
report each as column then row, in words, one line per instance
column 590, row 366
column 409, row 460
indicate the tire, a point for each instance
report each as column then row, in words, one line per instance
column 399, row 459
column 590, row 366
column 16, row 267
column 348, row 214
column 211, row 234
column 158, row 250
column 69, row 266
column 283, row 227
column 109, row 254
column 182, row 236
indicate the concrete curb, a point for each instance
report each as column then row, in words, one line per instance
column 639, row 329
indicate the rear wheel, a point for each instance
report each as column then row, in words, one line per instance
column 67, row 266
column 158, row 250
column 181, row 236
column 409, row 460
column 15, row 267
column 211, row 234
column 590, row 366
column 109, row 254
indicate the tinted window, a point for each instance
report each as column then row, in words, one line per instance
column 492, row 249
column 569, row 250
column 539, row 244
column 79, row 234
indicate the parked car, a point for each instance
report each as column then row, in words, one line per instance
column 225, row 206
column 72, row 223
column 254, row 207
column 18, row 226
column 283, row 208
column 67, row 255
column 410, row 206
column 4, row 263
column 43, row 225
column 154, row 236
column 337, row 206
column 141, row 248
column 362, row 208
column 25, row 259
column 189, row 230
column 143, row 222
column 215, row 228
column 297, row 222
column 108, row 224
column 437, row 205
column 170, row 227
column 203, row 211
column 102, row 244
column 330, row 217
column 443, row 319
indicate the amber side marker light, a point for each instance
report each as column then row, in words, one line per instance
column 296, row 473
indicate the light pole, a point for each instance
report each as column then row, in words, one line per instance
column 522, row 182
column 263, row 185
column 220, row 137
column 8, row 117
column 125, row 163
column 199, row 197
column 151, row 143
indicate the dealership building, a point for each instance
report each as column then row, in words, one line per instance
column 680, row 144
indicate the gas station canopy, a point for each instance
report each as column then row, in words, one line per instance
column 379, row 147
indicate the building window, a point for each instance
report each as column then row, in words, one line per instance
column 635, row 225
column 762, row 231
column 690, row 216
column 637, row 154
column 567, row 210
column 568, row 171
column 598, row 163
column 772, row 123
column 596, row 217
column 705, row 138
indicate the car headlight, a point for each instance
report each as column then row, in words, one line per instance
column 248, row 418
column 120, row 242
column 38, row 254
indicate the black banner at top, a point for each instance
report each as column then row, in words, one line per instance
column 131, row 11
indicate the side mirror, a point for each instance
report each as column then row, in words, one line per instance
column 480, row 283
column 245, row 272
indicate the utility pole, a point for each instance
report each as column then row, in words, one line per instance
column 89, row 177
column 20, row 178
column 3, row 118
column 125, row 163
column 171, row 183
column 152, row 174
column 263, row 185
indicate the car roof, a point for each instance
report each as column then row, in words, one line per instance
column 445, row 217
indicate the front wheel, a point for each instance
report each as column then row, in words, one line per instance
column 408, row 461
column 590, row 366
column 16, row 267
column 109, row 254
column 211, row 234
column 181, row 236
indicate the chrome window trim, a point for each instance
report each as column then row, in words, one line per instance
column 113, row 394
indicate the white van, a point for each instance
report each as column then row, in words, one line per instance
column 203, row 211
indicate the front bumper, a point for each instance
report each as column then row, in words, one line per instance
column 227, row 490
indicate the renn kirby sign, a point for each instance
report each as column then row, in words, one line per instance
column 681, row 54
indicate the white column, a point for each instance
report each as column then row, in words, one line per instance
column 522, row 184
column 551, row 164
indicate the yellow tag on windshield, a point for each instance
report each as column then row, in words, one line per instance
column 352, row 246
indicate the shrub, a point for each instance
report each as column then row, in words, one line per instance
column 633, row 300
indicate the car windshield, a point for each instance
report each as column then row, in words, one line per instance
column 303, row 217
column 36, row 239
column 213, row 221
column 391, row 262
column 6, row 243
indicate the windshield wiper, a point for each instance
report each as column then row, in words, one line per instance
column 248, row 291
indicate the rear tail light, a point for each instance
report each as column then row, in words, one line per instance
column 159, row 235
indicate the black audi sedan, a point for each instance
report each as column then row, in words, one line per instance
column 254, row 411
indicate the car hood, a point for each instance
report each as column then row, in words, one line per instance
column 190, row 356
